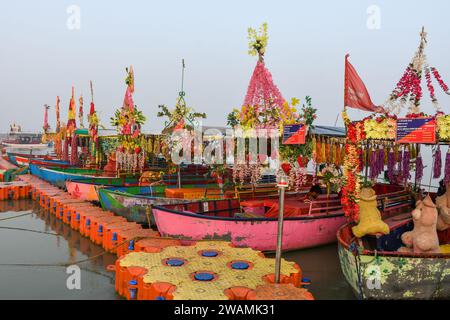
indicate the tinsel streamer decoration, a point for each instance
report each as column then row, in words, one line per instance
column 391, row 166
column 405, row 165
column 437, row 166
column 373, row 165
column 400, row 160
column 447, row 167
column 419, row 169
column 380, row 160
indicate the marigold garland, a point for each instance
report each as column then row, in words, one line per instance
column 351, row 169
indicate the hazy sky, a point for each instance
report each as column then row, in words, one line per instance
column 40, row 57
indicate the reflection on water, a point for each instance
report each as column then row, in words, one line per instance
column 48, row 282
column 320, row 265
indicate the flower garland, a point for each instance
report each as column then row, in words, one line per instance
column 441, row 82
column 437, row 165
column 351, row 169
column 379, row 127
column 71, row 123
column 247, row 172
column 130, row 155
column 419, row 169
column 443, row 126
column 406, row 165
column 391, row 166
column 297, row 176
column 409, row 87
column 330, row 178
column 447, row 168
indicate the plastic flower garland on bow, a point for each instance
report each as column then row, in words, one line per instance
column 351, row 169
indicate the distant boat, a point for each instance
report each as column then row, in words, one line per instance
column 33, row 146
column 23, row 140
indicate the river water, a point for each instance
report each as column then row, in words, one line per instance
column 22, row 254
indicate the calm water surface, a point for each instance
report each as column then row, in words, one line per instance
column 43, row 282
column 321, row 265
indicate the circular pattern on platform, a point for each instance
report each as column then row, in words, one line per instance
column 239, row 265
column 204, row 276
column 174, row 262
column 209, row 253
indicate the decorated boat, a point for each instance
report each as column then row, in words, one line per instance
column 306, row 224
column 375, row 269
column 404, row 255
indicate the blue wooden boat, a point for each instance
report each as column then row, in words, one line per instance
column 58, row 177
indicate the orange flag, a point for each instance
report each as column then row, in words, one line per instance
column 355, row 92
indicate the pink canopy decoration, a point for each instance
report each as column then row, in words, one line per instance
column 262, row 90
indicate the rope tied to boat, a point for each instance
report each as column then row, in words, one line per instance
column 18, row 216
column 66, row 264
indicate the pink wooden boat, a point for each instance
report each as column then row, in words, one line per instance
column 307, row 224
column 195, row 221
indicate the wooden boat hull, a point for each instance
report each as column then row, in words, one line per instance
column 133, row 207
column 257, row 233
column 50, row 163
column 86, row 189
column 25, row 160
column 26, row 146
column 393, row 275
column 59, row 177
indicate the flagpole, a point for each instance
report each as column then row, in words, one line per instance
column 345, row 89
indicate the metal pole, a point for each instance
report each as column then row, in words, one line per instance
column 279, row 236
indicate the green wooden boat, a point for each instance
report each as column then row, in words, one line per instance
column 134, row 202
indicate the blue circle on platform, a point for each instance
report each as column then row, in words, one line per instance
column 133, row 282
column 210, row 253
column 160, row 298
column 204, row 276
column 174, row 262
column 240, row 265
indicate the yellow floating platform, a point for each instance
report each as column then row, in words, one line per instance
column 208, row 270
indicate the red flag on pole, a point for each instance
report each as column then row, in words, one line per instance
column 355, row 92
